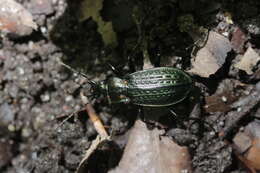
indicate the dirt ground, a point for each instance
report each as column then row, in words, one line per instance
column 37, row 92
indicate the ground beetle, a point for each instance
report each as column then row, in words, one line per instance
column 155, row 87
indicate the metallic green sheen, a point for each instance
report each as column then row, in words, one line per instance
column 156, row 87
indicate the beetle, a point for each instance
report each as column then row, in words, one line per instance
column 155, row 87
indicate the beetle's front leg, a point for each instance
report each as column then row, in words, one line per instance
column 115, row 70
column 119, row 99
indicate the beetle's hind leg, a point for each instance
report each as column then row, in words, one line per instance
column 176, row 118
column 209, row 126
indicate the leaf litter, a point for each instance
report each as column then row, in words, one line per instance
column 14, row 18
column 248, row 61
column 60, row 151
column 149, row 152
column 209, row 59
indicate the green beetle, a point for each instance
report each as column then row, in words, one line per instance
column 155, row 87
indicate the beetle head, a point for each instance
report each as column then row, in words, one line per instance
column 98, row 88
column 111, row 88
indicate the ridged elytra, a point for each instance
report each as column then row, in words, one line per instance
column 155, row 87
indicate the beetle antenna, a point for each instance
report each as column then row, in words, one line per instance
column 77, row 72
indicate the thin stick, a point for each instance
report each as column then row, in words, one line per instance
column 94, row 117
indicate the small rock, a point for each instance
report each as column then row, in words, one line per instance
column 14, row 18
column 5, row 153
column 26, row 132
column 45, row 97
column 68, row 98
column 248, row 61
column 13, row 91
column 6, row 114
column 41, row 7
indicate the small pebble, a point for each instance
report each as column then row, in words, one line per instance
column 258, row 86
column 224, row 99
column 20, row 71
column 34, row 155
column 45, row 97
column 43, row 30
column 239, row 109
column 212, row 133
column 68, row 98
column 11, row 127
column 6, row 113
column 26, row 132
column 221, row 123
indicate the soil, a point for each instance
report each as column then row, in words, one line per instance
column 37, row 93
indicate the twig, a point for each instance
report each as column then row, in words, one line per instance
column 98, row 125
column 94, row 117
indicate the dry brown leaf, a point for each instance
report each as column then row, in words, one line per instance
column 220, row 102
column 212, row 56
column 149, row 152
column 248, row 61
column 247, row 145
column 238, row 40
column 253, row 155
column 14, row 18
column 242, row 142
column 255, row 76
column 224, row 96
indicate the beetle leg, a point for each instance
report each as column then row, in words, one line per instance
column 195, row 120
column 116, row 71
column 175, row 116
column 125, row 100
column 120, row 99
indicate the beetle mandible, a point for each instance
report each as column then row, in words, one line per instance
column 155, row 87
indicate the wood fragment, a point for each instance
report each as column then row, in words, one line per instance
column 98, row 125
column 94, row 117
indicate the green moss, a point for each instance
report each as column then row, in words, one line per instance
column 92, row 9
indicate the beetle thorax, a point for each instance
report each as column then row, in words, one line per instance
column 116, row 84
column 113, row 84
column 103, row 87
